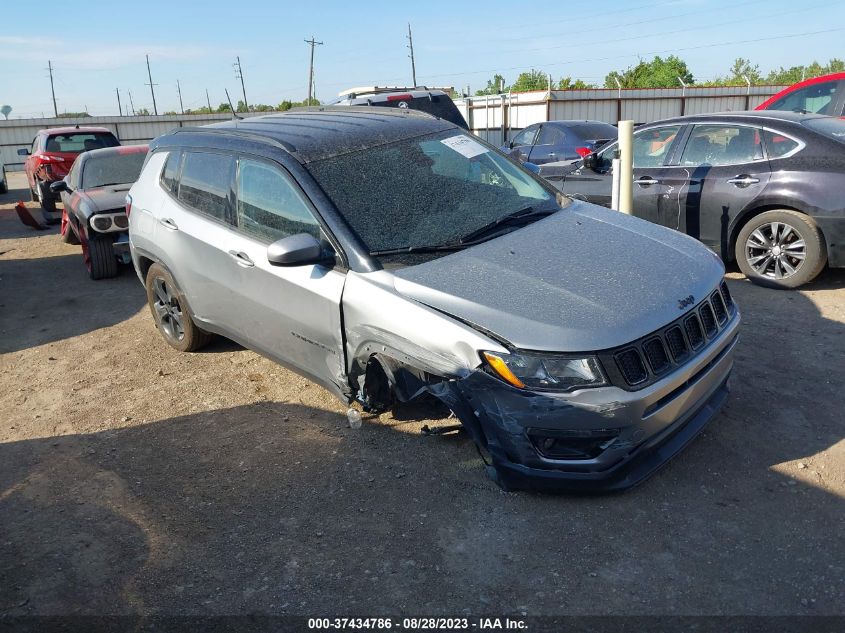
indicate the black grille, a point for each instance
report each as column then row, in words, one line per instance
column 642, row 362
column 631, row 366
column 656, row 355
column 726, row 295
column 694, row 333
column 708, row 320
column 677, row 344
column 719, row 308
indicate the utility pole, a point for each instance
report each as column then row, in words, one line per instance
column 132, row 103
column 151, row 84
column 313, row 43
column 208, row 101
column 52, row 89
column 179, row 90
column 239, row 74
column 119, row 107
column 411, row 47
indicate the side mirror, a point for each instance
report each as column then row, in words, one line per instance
column 59, row 185
column 297, row 250
column 23, row 152
column 533, row 168
column 589, row 161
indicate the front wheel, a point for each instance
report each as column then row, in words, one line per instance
column 781, row 249
column 170, row 312
column 101, row 261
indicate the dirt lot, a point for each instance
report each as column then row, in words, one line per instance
column 134, row 479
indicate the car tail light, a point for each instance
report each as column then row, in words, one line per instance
column 583, row 151
column 405, row 97
column 128, row 205
column 49, row 158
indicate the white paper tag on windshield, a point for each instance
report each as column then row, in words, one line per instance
column 464, row 145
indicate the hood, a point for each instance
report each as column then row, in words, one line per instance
column 584, row 279
column 105, row 199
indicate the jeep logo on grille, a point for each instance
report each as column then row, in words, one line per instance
column 686, row 301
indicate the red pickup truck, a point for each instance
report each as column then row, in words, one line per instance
column 50, row 158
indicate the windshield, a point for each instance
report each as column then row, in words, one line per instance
column 112, row 169
column 427, row 190
column 831, row 127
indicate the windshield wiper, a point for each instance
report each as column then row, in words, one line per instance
column 419, row 249
column 526, row 213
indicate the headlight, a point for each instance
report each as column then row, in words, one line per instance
column 546, row 371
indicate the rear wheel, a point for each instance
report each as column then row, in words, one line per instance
column 101, row 262
column 781, row 249
column 66, row 231
column 170, row 312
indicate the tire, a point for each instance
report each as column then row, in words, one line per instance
column 781, row 249
column 170, row 312
column 48, row 203
column 102, row 264
column 66, row 230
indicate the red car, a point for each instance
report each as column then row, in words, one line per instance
column 819, row 95
column 51, row 156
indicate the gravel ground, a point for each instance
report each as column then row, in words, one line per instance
column 137, row 480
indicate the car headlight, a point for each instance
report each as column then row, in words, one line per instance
column 550, row 372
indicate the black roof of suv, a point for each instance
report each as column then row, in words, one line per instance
column 311, row 134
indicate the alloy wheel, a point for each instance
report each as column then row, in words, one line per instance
column 168, row 311
column 775, row 250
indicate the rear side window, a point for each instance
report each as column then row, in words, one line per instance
column 595, row 131
column 80, row 142
column 550, row 135
column 722, row 145
column 170, row 173
column 778, row 145
column 816, row 98
column 269, row 205
column 205, row 183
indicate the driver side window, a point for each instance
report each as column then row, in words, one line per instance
column 526, row 137
column 651, row 147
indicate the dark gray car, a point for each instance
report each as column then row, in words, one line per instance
column 764, row 188
column 389, row 255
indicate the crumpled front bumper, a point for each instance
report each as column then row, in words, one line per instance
column 647, row 427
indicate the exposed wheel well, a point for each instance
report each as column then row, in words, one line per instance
column 144, row 263
column 748, row 215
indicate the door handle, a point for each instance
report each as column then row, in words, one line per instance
column 743, row 180
column 168, row 223
column 645, row 180
column 242, row 259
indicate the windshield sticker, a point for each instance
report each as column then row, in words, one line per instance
column 464, row 145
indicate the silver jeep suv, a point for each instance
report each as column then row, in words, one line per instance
column 388, row 254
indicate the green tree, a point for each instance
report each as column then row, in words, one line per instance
column 566, row 83
column 143, row 112
column 531, row 80
column 74, row 115
column 223, row 107
column 658, row 73
column 495, row 86
column 786, row 76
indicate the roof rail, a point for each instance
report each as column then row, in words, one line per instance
column 288, row 147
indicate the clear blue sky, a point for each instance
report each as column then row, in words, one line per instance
column 456, row 43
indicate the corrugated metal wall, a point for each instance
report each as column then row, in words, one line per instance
column 484, row 114
column 16, row 134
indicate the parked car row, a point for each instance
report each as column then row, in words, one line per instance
column 764, row 189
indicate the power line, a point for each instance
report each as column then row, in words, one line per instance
column 239, row 74
column 151, row 84
column 313, row 43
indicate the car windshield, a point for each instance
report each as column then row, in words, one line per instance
column 426, row 191
column 80, row 142
column 112, row 169
column 831, row 127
